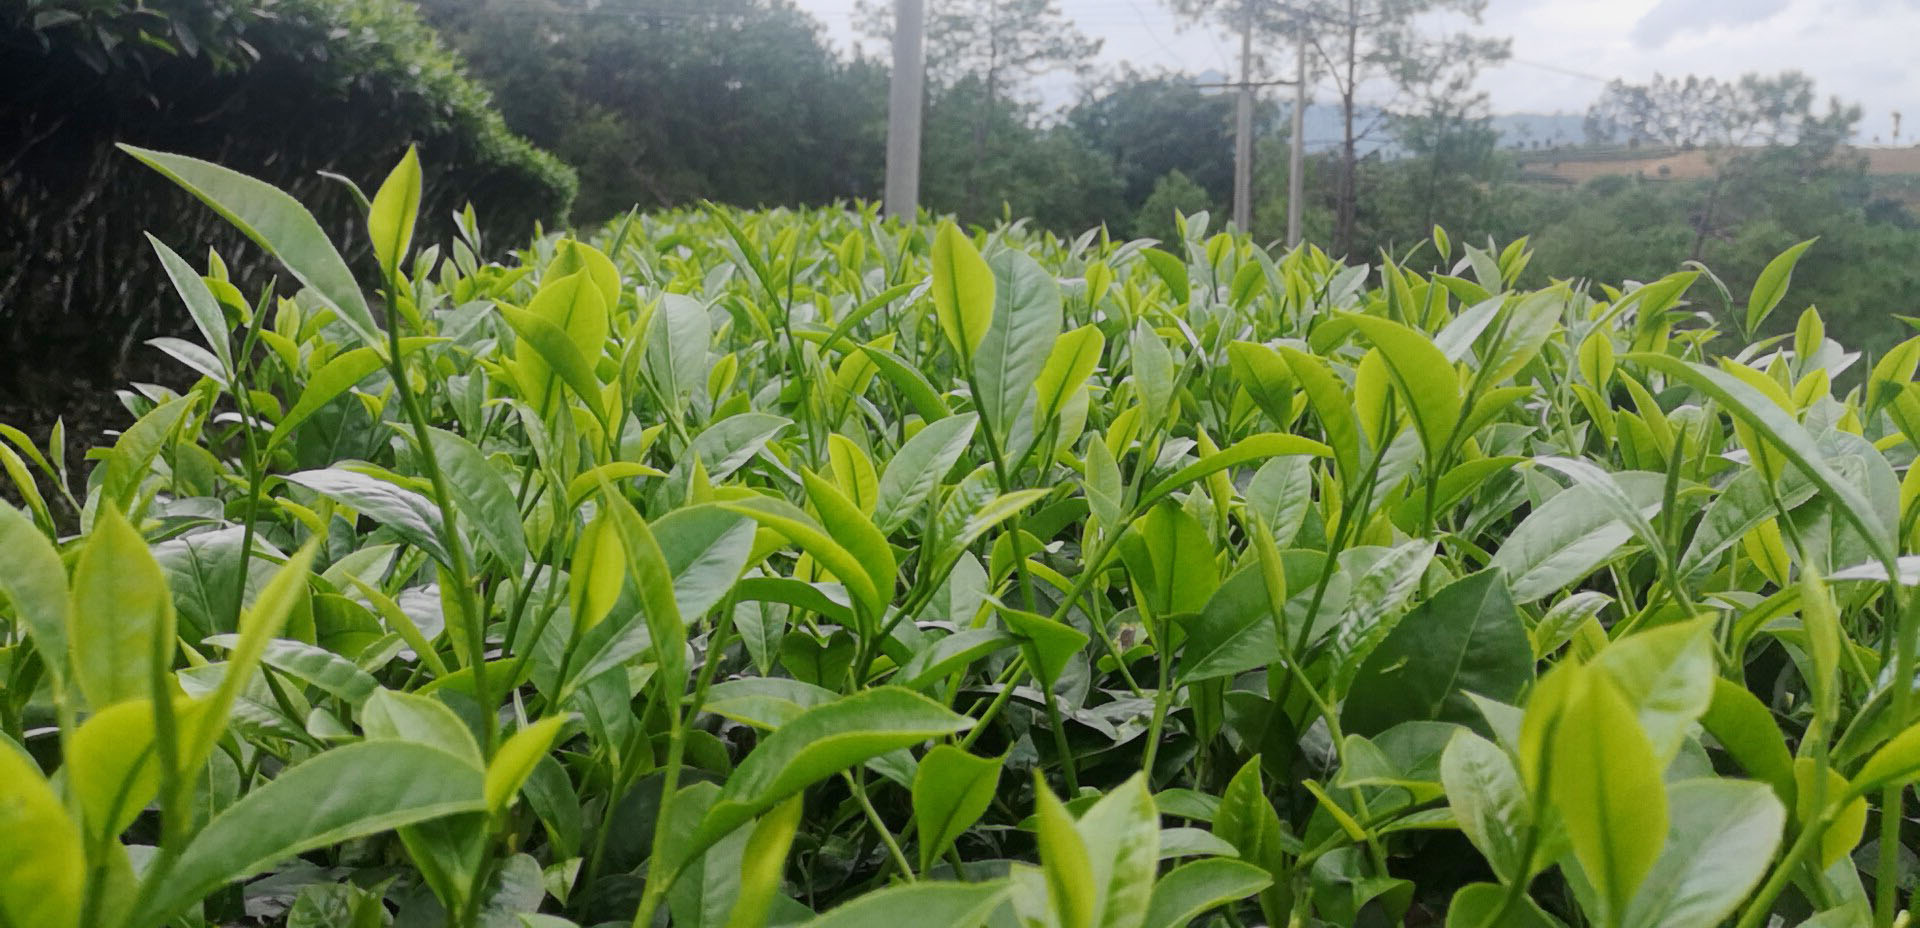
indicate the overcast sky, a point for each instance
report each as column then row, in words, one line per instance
column 1866, row 51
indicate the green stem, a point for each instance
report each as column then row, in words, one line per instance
column 1518, row 887
column 461, row 567
column 658, row 880
column 1762, row 902
column 999, row 700
column 1069, row 767
column 879, row 826
column 1893, row 798
column 1162, row 694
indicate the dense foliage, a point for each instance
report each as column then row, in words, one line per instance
column 730, row 568
column 284, row 89
column 665, row 103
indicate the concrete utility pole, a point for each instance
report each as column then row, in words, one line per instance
column 903, row 108
column 1243, row 130
column 1296, row 157
column 1243, row 137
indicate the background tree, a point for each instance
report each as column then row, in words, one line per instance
column 1263, row 27
column 666, row 101
column 1172, row 193
column 1690, row 112
column 1380, row 44
column 1046, row 172
column 1445, row 127
column 1760, row 132
column 996, row 48
column 1680, row 112
column 1150, row 125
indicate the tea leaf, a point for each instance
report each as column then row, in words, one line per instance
column 1771, row 286
column 200, row 302
column 916, row 469
column 1073, row 889
column 960, row 905
column 122, row 614
column 1049, row 644
column 1070, row 361
column 36, row 586
column 390, row 715
column 677, row 346
column 259, row 626
column 315, row 665
column 796, row 526
column 407, row 513
column 337, row 376
column 279, row 224
column 1568, row 537
column 1010, row 357
column 952, row 653
column 1423, row 376
column 853, row 530
column 1244, row 451
column 551, row 350
column 762, row 862
column 395, row 208
column 1782, row 434
column 514, row 762
column 1742, row 725
column 482, row 496
column 1604, row 779
column 1719, row 841
column 821, row 742
column 963, row 291
column 951, row 790
column 705, row 548
column 342, row 794
column 1487, row 798
column 1121, row 833
column 42, row 868
column 1192, row 888
column 1467, row 638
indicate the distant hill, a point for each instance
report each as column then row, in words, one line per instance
column 1517, row 130
column 1548, row 129
column 1559, row 138
column 1578, row 165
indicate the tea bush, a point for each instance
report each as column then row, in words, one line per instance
column 793, row 568
column 285, row 89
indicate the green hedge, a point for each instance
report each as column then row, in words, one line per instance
column 284, row 89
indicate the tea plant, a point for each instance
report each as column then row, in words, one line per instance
column 742, row 569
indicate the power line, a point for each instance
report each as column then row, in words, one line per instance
column 1151, row 32
column 1559, row 70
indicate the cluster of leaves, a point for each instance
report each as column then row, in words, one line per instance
column 284, row 89
column 799, row 568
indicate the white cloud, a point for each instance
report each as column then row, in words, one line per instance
column 1674, row 17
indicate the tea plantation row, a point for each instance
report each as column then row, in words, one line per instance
column 743, row 569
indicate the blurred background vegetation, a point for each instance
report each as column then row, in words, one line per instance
column 561, row 111
column 286, row 90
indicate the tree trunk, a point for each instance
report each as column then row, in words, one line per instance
column 1348, row 194
column 986, row 111
column 1705, row 222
